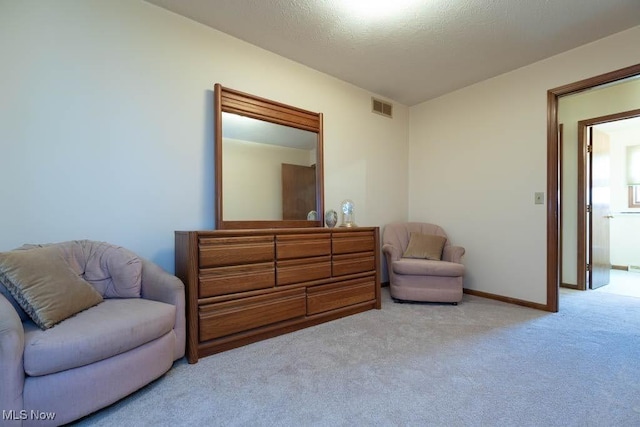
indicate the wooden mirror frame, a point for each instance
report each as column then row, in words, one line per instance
column 244, row 104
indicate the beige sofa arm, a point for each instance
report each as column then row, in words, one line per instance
column 391, row 252
column 158, row 285
column 11, row 366
column 453, row 253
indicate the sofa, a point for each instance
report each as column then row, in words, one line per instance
column 127, row 331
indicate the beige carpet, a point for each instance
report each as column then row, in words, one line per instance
column 481, row 363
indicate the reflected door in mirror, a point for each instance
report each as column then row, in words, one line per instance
column 298, row 191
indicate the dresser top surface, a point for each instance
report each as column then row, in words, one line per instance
column 263, row 231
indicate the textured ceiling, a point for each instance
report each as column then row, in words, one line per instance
column 423, row 49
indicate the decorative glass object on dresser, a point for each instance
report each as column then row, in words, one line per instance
column 331, row 218
column 347, row 214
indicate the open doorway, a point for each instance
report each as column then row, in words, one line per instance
column 555, row 171
column 608, row 219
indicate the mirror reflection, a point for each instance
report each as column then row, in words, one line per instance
column 269, row 170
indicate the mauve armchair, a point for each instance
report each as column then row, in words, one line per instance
column 418, row 279
column 99, row 355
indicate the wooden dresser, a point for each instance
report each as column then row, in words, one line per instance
column 243, row 286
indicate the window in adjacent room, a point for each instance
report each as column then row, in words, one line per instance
column 633, row 175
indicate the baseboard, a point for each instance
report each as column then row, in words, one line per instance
column 620, row 267
column 567, row 285
column 509, row 300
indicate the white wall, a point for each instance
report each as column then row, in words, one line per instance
column 477, row 156
column 594, row 103
column 625, row 229
column 106, row 125
column 625, row 224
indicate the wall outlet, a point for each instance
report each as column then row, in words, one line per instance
column 539, row 198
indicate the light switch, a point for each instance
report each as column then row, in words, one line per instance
column 539, row 198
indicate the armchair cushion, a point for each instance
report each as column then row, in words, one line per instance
column 421, row 267
column 44, row 285
column 425, row 246
column 109, row 329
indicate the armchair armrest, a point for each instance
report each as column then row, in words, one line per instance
column 158, row 285
column 11, row 352
column 453, row 253
column 391, row 252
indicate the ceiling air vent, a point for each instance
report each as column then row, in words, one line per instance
column 381, row 107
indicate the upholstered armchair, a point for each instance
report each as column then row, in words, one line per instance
column 82, row 325
column 423, row 265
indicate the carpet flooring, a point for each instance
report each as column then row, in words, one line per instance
column 480, row 363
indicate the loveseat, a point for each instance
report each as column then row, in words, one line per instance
column 129, row 335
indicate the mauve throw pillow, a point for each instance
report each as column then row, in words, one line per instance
column 425, row 246
column 45, row 286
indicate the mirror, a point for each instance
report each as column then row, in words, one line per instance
column 268, row 163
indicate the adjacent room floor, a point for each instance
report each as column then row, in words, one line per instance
column 623, row 282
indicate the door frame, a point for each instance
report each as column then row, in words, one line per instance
column 584, row 187
column 553, row 172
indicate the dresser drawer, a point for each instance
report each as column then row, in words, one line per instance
column 303, row 270
column 303, row 246
column 237, row 278
column 226, row 318
column 352, row 242
column 353, row 263
column 336, row 295
column 215, row 252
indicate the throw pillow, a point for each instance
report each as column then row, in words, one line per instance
column 425, row 246
column 45, row 286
